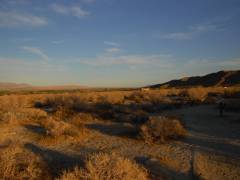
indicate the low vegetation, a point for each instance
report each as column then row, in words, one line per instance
column 107, row 167
column 161, row 129
column 16, row 162
column 82, row 129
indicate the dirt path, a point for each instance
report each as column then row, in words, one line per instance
column 209, row 131
column 213, row 140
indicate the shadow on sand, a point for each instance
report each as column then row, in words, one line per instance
column 116, row 129
column 57, row 161
column 214, row 145
column 36, row 129
column 159, row 171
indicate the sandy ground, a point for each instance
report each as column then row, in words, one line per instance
column 210, row 151
column 214, row 140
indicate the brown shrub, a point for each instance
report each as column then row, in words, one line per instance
column 197, row 94
column 68, row 101
column 160, row 128
column 81, row 118
column 57, row 128
column 107, row 167
column 63, row 113
column 20, row 163
column 136, row 96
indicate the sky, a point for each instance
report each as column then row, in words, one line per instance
column 116, row 43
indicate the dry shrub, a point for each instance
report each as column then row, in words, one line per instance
column 107, row 167
column 68, row 101
column 32, row 113
column 232, row 92
column 57, row 128
column 136, row 96
column 20, row 163
column 10, row 102
column 198, row 94
column 215, row 166
column 81, row 118
column 63, row 113
column 160, row 129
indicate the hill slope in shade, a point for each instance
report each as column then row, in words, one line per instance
column 221, row 78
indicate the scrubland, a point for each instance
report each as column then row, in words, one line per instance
column 134, row 134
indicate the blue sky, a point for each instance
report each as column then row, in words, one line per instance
column 116, row 42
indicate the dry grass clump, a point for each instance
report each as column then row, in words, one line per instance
column 160, row 129
column 16, row 162
column 197, row 94
column 56, row 128
column 80, row 119
column 136, row 96
column 69, row 102
column 215, row 166
column 107, row 167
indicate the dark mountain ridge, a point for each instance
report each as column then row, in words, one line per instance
column 221, row 78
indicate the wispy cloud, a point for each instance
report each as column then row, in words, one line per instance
column 37, row 51
column 110, row 43
column 73, row 10
column 160, row 60
column 192, row 32
column 112, row 50
column 9, row 19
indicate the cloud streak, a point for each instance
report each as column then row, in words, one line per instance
column 36, row 51
column 112, row 50
column 10, row 19
column 191, row 33
column 160, row 60
column 76, row 11
column 109, row 43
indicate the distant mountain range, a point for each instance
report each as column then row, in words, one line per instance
column 12, row 86
column 15, row 86
column 221, row 78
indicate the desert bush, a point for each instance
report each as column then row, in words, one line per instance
column 160, row 129
column 107, row 167
column 73, row 102
column 57, row 128
column 232, row 93
column 197, row 94
column 16, row 162
column 31, row 114
column 136, row 96
column 64, row 113
column 81, row 118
